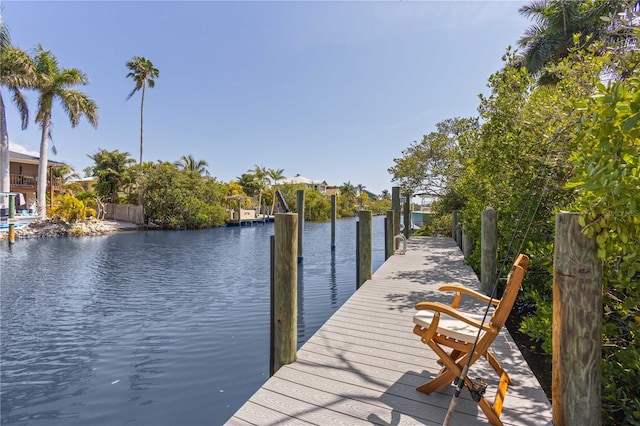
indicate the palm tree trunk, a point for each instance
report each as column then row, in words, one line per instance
column 5, row 182
column 144, row 87
column 43, row 166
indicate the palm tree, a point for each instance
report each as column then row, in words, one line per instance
column 260, row 174
column 55, row 83
column 274, row 175
column 190, row 163
column 555, row 24
column 114, row 172
column 17, row 71
column 143, row 74
column 348, row 190
column 68, row 178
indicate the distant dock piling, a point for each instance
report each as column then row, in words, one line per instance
column 333, row 221
column 300, row 207
column 395, row 206
column 406, row 212
column 489, row 250
column 388, row 235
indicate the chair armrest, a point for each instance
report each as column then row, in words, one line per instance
column 454, row 313
column 460, row 290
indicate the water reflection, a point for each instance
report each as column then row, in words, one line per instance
column 157, row 328
column 333, row 282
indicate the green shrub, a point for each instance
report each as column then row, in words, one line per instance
column 69, row 209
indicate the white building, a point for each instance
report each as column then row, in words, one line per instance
column 318, row 185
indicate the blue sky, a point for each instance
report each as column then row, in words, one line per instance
column 331, row 90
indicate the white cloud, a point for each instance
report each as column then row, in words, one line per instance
column 22, row 150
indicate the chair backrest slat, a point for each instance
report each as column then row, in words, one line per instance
column 514, row 281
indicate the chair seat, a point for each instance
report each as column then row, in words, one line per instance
column 450, row 327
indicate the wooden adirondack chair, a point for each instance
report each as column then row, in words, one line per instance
column 445, row 328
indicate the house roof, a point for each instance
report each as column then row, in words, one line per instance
column 301, row 179
column 84, row 179
column 19, row 157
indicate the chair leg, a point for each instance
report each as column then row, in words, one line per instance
column 486, row 408
column 450, row 370
column 501, row 393
column 497, row 367
column 441, row 380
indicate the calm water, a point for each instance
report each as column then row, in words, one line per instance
column 154, row 328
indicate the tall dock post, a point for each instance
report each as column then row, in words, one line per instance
column 284, row 295
column 489, row 250
column 577, row 325
column 333, row 221
column 395, row 206
column 467, row 244
column 454, row 225
column 12, row 215
column 365, row 231
column 407, row 215
column 300, row 207
column 388, row 232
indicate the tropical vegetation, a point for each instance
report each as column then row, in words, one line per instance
column 560, row 130
column 17, row 72
column 55, row 83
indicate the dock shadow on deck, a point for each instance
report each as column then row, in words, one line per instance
column 363, row 365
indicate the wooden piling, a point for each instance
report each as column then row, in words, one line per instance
column 358, row 282
column 12, row 215
column 285, row 290
column 365, row 246
column 489, row 250
column 454, row 225
column 395, row 206
column 388, row 235
column 300, row 207
column 577, row 325
column 407, row 216
column 333, row 221
column 467, row 244
column 272, row 250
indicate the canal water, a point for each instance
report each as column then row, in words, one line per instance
column 154, row 328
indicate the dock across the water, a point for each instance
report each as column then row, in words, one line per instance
column 363, row 365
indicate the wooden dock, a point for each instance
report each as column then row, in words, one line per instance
column 363, row 364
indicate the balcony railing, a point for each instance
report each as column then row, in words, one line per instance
column 31, row 182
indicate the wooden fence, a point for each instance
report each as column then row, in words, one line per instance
column 124, row 212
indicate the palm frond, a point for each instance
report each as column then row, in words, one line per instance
column 21, row 104
column 76, row 105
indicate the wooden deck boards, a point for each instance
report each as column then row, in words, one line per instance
column 363, row 364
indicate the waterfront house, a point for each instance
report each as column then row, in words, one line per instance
column 23, row 177
column 87, row 183
column 318, row 185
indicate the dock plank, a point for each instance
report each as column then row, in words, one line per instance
column 363, row 365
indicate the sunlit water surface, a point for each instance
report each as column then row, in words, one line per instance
column 154, row 328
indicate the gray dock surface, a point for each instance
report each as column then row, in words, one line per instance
column 363, row 365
